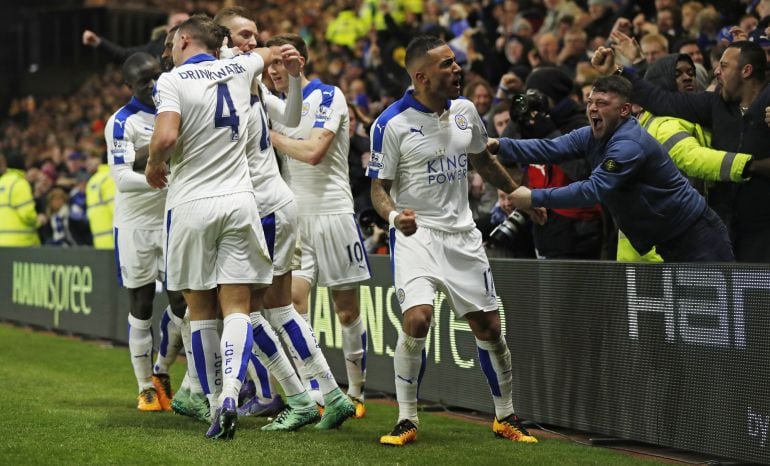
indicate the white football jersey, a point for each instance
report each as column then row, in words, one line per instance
column 213, row 98
column 426, row 156
column 137, row 204
column 323, row 188
column 270, row 188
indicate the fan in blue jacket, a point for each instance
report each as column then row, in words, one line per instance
column 632, row 175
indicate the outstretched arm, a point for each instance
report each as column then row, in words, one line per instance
column 491, row 170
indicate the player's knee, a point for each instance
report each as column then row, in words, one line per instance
column 347, row 316
column 177, row 303
column 417, row 321
column 485, row 325
column 141, row 301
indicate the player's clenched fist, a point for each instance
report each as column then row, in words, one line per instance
column 290, row 58
column 157, row 175
column 406, row 222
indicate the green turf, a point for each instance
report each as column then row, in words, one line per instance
column 66, row 401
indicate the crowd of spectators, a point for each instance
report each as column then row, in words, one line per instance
column 359, row 46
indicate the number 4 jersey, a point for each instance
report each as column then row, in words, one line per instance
column 213, row 98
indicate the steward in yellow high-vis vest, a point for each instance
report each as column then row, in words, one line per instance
column 18, row 218
column 688, row 144
column 100, row 193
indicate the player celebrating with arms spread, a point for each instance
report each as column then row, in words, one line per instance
column 421, row 146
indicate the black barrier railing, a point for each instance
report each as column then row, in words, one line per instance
column 670, row 354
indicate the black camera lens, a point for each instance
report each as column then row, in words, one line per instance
column 509, row 228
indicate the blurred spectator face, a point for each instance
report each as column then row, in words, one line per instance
column 763, row 8
column 514, row 51
column 685, row 76
column 552, row 4
column 548, row 47
column 92, row 163
column 482, row 99
column 56, row 199
column 501, row 120
column 42, row 185
column 748, row 24
column 693, row 51
column 524, row 29
column 243, row 32
column 586, row 91
column 664, row 4
column 689, row 13
column 652, row 51
column 505, row 201
column 596, row 10
column 175, row 19
column 728, row 75
column 666, row 20
column 575, row 41
column 75, row 163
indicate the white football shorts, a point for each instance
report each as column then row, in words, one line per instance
column 139, row 256
column 280, row 229
column 331, row 251
column 216, row 241
column 454, row 263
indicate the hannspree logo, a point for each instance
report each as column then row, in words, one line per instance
column 58, row 288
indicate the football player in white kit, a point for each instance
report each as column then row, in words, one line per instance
column 138, row 234
column 215, row 248
column 421, row 147
column 279, row 221
column 331, row 247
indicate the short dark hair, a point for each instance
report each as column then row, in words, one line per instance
column 233, row 12
column 501, row 107
column 205, row 31
column 134, row 62
column 419, row 47
column 616, row 85
column 686, row 41
column 291, row 39
column 751, row 54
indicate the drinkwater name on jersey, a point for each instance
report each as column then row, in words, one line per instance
column 227, row 70
column 447, row 168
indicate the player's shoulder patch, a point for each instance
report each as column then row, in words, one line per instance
column 461, row 121
column 611, row 165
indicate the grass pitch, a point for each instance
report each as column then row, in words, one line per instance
column 65, row 401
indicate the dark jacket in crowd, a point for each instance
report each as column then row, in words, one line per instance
column 744, row 207
column 118, row 53
column 632, row 175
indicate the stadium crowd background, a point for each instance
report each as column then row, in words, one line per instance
column 358, row 45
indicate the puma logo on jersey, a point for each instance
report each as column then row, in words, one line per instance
column 417, row 130
column 380, row 127
column 327, row 92
column 120, row 122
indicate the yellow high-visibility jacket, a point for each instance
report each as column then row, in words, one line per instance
column 100, row 194
column 18, row 219
column 689, row 146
